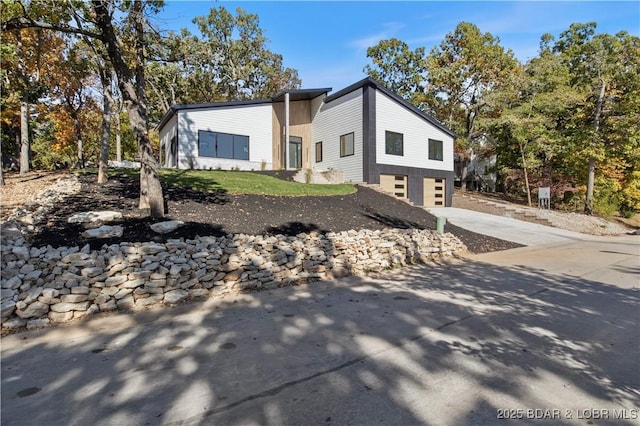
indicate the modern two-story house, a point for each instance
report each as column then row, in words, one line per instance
column 366, row 131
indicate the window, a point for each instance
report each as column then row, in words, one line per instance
column 346, row 145
column 318, row 152
column 435, row 150
column 241, row 147
column 223, row 145
column 394, row 143
column 206, row 144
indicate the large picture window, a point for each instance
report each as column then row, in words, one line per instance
column 394, row 143
column 223, row 145
column 435, row 150
column 318, row 152
column 346, row 145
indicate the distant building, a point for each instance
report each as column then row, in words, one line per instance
column 480, row 162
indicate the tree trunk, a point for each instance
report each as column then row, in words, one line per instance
column 591, row 175
column 463, row 174
column 138, row 19
column 103, row 163
column 1, row 175
column 118, row 136
column 526, row 176
column 25, row 146
column 78, row 127
column 136, row 109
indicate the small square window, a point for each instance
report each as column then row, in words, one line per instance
column 394, row 143
column 318, row 152
column 346, row 145
column 435, row 150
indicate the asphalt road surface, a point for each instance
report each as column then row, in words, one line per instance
column 546, row 333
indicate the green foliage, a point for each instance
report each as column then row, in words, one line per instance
column 607, row 199
column 229, row 60
column 466, row 66
column 401, row 69
column 128, row 141
column 46, row 158
column 578, row 99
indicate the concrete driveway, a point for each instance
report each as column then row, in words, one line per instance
column 536, row 332
column 505, row 228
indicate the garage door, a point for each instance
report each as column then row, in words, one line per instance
column 395, row 184
column 434, row 192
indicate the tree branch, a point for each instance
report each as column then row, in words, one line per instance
column 23, row 22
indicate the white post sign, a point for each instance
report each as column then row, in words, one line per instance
column 544, row 197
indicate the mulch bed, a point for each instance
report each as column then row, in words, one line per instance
column 216, row 214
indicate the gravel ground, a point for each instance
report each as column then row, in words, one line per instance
column 21, row 189
column 582, row 223
column 220, row 213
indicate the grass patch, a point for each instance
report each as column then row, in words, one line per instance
column 234, row 182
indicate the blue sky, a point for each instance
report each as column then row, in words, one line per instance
column 326, row 41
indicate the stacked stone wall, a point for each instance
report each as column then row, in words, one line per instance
column 47, row 285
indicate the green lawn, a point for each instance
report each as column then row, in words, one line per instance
column 235, row 182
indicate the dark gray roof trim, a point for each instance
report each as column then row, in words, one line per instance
column 301, row 94
column 306, row 94
column 368, row 81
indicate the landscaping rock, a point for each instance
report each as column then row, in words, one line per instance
column 154, row 299
column 21, row 252
column 13, row 283
column 74, row 298
column 95, row 216
column 14, row 323
column 7, row 293
column 60, row 316
column 74, row 257
column 34, row 310
column 175, row 296
column 167, row 226
column 105, row 231
column 152, row 248
column 57, row 285
column 38, row 323
column 7, row 308
column 66, row 307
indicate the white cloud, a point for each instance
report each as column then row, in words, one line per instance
column 388, row 30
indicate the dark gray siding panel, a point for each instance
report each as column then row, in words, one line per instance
column 368, row 133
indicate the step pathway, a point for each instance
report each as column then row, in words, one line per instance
column 502, row 209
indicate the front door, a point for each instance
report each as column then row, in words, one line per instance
column 295, row 152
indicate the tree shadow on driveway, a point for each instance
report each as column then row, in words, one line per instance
column 423, row 345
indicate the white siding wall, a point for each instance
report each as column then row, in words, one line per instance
column 417, row 132
column 167, row 132
column 339, row 117
column 247, row 120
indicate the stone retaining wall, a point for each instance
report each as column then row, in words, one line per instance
column 48, row 285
